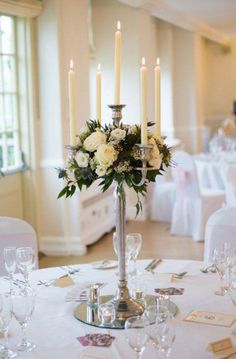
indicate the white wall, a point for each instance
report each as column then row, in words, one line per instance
column 139, row 35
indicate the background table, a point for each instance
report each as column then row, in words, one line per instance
column 54, row 329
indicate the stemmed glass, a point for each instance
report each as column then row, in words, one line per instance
column 5, row 319
column 25, row 261
column 23, row 303
column 9, row 255
column 134, row 244
column 127, row 249
column 220, row 261
column 136, row 334
column 157, row 317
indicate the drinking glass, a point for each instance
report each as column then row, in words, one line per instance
column 23, row 303
column 166, row 335
column 136, row 334
column 5, row 319
column 25, row 257
column 133, row 245
column 157, row 317
column 128, row 249
column 220, row 262
column 9, row 255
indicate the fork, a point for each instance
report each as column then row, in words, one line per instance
column 70, row 270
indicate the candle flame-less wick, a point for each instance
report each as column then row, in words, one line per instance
column 99, row 67
column 158, row 61
column 143, row 61
column 118, row 25
column 71, row 64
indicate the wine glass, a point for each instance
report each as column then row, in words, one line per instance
column 133, row 245
column 220, row 262
column 23, row 303
column 25, row 261
column 5, row 319
column 157, row 317
column 165, row 335
column 9, row 255
column 136, row 334
column 127, row 249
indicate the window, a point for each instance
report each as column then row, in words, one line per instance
column 10, row 151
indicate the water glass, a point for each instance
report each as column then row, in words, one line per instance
column 5, row 319
column 136, row 333
column 23, row 303
column 157, row 317
column 220, row 261
column 133, row 245
column 9, row 255
column 25, row 257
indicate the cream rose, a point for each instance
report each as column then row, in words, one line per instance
column 82, row 159
column 92, row 142
column 156, row 156
column 106, row 155
column 118, row 134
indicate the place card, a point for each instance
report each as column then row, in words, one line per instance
column 220, row 319
column 222, row 348
column 96, row 340
column 64, row 281
column 169, row 291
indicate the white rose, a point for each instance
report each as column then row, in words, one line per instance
column 84, row 131
column 156, row 156
column 118, row 134
column 106, row 155
column 92, row 142
column 82, row 159
column 101, row 171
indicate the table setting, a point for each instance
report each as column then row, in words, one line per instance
column 195, row 316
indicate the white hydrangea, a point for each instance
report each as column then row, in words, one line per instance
column 133, row 129
column 118, row 134
column 92, row 142
column 82, row 159
column 106, row 155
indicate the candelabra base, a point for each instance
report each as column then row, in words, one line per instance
column 88, row 314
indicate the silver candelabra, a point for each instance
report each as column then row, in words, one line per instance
column 125, row 305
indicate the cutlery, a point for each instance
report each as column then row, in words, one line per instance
column 150, row 264
column 210, row 268
column 50, row 282
column 154, row 265
column 70, row 270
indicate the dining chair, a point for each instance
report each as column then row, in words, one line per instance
column 230, row 185
column 162, row 199
column 193, row 205
column 220, row 229
column 17, row 233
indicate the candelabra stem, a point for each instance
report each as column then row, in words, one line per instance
column 125, row 305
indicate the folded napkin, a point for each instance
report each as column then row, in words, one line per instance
column 64, row 281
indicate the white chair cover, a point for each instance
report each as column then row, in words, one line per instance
column 192, row 208
column 230, row 184
column 17, row 233
column 220, row 229
column 162, row 202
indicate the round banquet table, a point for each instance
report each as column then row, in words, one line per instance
column 54, row 328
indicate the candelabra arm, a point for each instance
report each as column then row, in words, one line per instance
column 145, row 155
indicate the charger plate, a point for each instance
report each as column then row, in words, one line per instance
column 89, row 314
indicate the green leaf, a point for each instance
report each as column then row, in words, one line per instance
column 63, row 192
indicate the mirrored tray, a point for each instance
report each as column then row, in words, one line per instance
column 89, row 314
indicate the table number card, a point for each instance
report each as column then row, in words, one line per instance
column 222, row 348
column 220, row 319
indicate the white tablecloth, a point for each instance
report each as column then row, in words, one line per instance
column 211, row 171
column 54, row 329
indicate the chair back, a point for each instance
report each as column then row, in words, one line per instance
column 16, row 233
column 220, row 229
column 185, row 175
column 230, row 184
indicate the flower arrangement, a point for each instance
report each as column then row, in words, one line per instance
column 109, row 153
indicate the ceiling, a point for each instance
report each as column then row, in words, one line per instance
column 219, row 14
